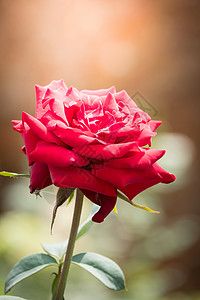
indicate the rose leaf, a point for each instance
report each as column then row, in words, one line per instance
column 28, row 266
column 103, row 268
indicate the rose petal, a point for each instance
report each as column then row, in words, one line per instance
column 52, row 94
column 106, row 121
column 141, row 161
column 71, row 112
column 58, row 109
column 122, row 135
column 76, row 177
column 110, row 104
column 73, row 137
column 51, row 121
column 123, row 177
column 134, row 189
column 57, row 84
column 39, row 129
column 30, row 141
column 17, row 125
column 40, row 92
column 56, row 156
column 73, row 96
column 166, row 176
column 154, row 124
column 104, row 152
column 107, row 204
column 40, row 177
column 101, row 92
column 145, row 136
column 123, row 96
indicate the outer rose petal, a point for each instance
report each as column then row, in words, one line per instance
column 30, row 141
column 166, row 176
column 39, row 129
column 123, row 177
column 107, row 204
column 40, row 177
column 57, row 156
column 76, row 177
column 141, row 161
column 17, row 125
column 145, row 136
column 40, row 91
column 134, row 189
column 154, row 124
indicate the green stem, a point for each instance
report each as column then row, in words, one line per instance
column 70, row 247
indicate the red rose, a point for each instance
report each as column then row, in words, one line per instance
column 92, row 140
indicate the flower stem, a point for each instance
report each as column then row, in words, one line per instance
column 70, row 247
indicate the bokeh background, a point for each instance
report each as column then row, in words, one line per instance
column 150, row 47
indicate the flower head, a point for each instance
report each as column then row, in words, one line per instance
column 91, row 140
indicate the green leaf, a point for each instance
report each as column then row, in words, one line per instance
column 103, row 268
column 57, row 249
column 27, row 266
column 88, row 222
column 8, row 174
column 11, row 298
column 143, row 207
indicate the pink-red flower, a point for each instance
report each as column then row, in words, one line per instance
column 92, row 140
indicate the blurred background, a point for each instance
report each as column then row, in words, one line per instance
column 151, row 49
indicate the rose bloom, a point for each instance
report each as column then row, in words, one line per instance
column 92, row 140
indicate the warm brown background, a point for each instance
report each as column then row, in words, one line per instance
column 147, row 46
